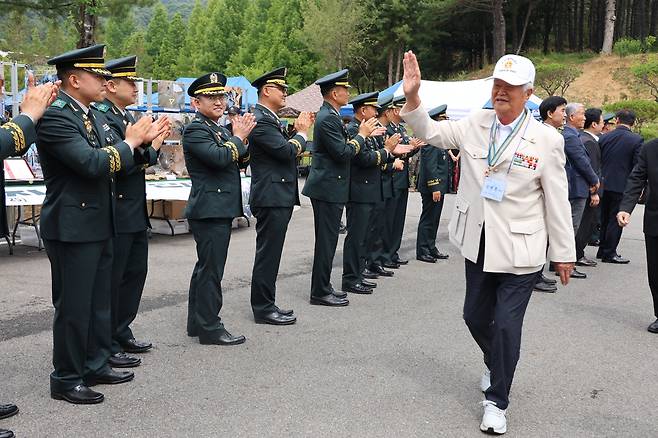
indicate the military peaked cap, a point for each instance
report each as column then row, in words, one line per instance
column 399, row 101
column 434, row 112
column 91, row 59
column 212, row 83
column 123, row 68
column 275, row 77
column 365, row 99
column 340, row 78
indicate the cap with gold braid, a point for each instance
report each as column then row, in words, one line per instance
column 365, row 99
column 399, row 101
column 338, row 79
column 91, row 59
column 123, row 68
column 275, row 77
column 209, row 84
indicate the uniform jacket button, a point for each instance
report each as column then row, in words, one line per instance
column 83, row 204
column 283, row 180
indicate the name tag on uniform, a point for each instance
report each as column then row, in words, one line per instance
column 494, row 188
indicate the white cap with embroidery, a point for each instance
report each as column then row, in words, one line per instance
column 514, row 69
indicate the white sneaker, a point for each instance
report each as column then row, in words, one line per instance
column 485, row 381
column 493, row 420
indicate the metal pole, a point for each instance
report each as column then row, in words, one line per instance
column 14, row 89
column 149, row 93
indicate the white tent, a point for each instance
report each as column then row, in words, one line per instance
column 462, row 97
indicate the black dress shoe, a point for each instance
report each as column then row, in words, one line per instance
column 275, row 318
column 584, row 261
column 545, row 279
column 80, row 395
column 391, row 265
column 426, row 258
column 358, row 289
column 8, row 410
column 111, row 377
column 653, row 327
column 379, row 270
column 540, row 286
column 439, row 255
column 330, row 300
column 221, row 338
column 401, row 261
column 339, row 293
column 286, row 312
column 370, row 284
column 4, row 433
column 577, row 274
column 619, row 260
column 367, row 273
column 133, row 346
column 122, row 360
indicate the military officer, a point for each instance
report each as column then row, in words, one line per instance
column 129, row 264
column 400, row 182
column 274, row 191
column 364, row 192
column 213, row 158
column 16, row 136
column 79, row 157
column 380, row 238
column 328, row 182
column 432, row 184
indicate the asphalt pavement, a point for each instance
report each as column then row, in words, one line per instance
column 398, row 363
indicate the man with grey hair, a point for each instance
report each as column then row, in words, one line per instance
column 583, row 181
column 512, row 201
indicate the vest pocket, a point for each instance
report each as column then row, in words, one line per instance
column 529, row 242
column 457, row 227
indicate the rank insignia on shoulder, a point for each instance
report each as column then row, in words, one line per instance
column 59, row 103
column 102, row 107
column 106, row 127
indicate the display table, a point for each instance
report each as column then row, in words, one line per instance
column 30, row 195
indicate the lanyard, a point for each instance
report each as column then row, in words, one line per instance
column 495, row 153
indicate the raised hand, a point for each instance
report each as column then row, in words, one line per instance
column 303, row 122
column 391, row 143
column 411, row 80
column 138, row 132
column 369, row 126
column 242, row 125
column 37, row 99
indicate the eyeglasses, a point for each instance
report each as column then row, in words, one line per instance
column 281, row 89
column 215, row 97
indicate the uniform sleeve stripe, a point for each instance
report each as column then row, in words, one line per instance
column 17, row 134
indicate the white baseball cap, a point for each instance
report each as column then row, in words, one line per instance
column 514, row 69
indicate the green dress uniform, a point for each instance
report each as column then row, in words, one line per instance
column 365, row 192
column 213, row 158
column 79, row 155
column 16, row 136
column 274, row 193
column 398, row 212
column 130, row 262
column 328, row 185
column 433, row 176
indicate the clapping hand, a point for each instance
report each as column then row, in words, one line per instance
column 391, row 143
column 38, row 98
column 303, row 122
column 416, row 143
column 242, row 125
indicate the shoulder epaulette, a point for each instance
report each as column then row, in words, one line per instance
column 58, row 103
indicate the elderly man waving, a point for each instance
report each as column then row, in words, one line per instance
column 512, row 200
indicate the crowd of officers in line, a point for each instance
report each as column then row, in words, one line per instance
column 94, row 219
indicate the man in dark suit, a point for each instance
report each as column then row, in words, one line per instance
column 328, row 181
column 213, row 158
column 130, row 260
column 274, row 192
column 380, row 237
column 432, row 184
column 16, row 136
column 590, row 138
column 582, row 178
column 365, row 192
column 619, row 152
column 645, row 177
column 400, row 180
column 80, row 156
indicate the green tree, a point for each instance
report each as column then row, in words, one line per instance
column 116, row 32
column 157, row 30
column 188, row 63
column 165, row 62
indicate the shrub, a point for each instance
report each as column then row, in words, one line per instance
column 646, row 112
column 555, row 77
column 647, row 72
column 627, row 46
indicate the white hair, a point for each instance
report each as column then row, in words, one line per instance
column 528, row 86
column 572, row 107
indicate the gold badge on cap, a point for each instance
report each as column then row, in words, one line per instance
column 508, row 64
column 213, row 78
